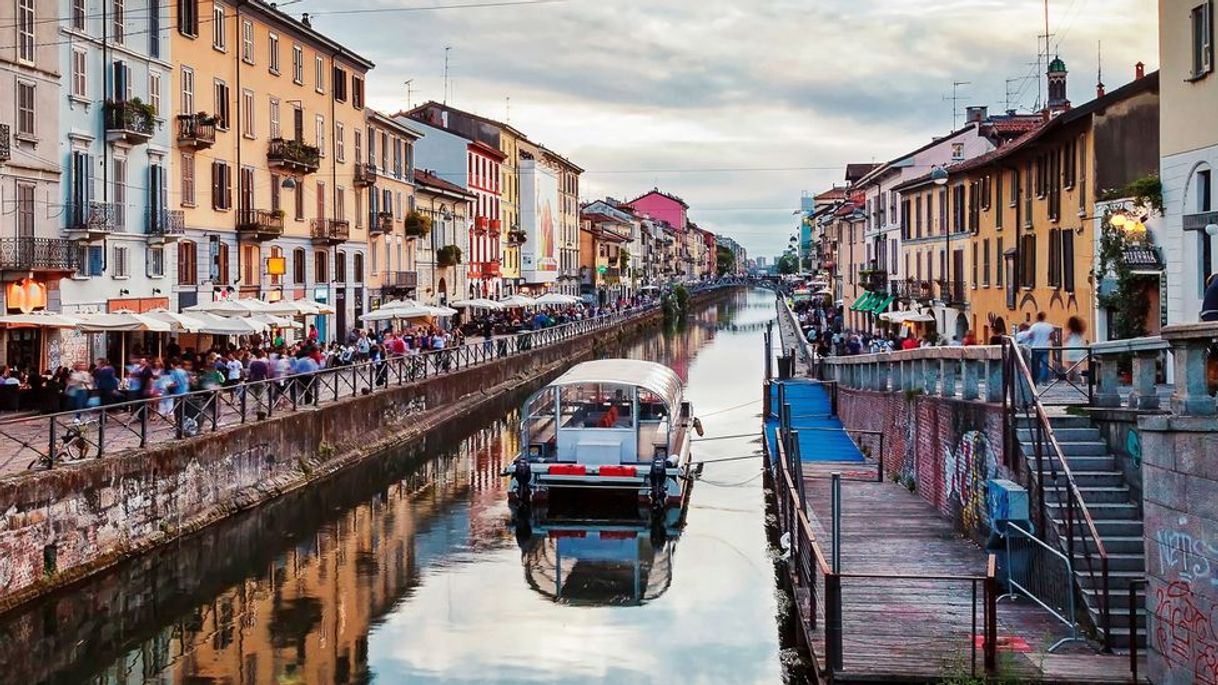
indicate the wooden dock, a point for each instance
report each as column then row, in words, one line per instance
column 907, row 596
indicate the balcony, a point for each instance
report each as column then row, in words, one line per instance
column 196, row 131
column 401, row 279
column 129, row 121
column 292, row 156
column 952, row 292
column 51, row 255
column 259, row 225
column 480, row 225
column 330, row 231
column 165, row 225
column 365, row 175
column 91, row 220
column 496, row 226
column 516, row 237
column 381, row 223
column 6, row 143
column 491, row 269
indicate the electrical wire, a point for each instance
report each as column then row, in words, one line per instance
column 732, row 485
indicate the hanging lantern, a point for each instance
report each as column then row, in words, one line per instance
column 26, row 295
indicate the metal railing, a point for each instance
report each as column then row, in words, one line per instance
column 38, row 254
column 165, row 222
column 34, row 442
column 819, row 588
column 293, row 154
column 1051, row 474
column 1029, row 570
column 197, row 130
column 92, row 216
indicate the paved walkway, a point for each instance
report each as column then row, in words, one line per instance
column 917, row 627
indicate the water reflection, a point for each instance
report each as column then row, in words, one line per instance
column 404, row 569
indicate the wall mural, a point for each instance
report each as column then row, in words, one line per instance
column 965, row 472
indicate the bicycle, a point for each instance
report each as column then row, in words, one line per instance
column 73, row 446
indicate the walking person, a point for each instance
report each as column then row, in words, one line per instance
column 1075, row 348
column 1040, row 337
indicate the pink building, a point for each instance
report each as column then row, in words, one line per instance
column 662, row 206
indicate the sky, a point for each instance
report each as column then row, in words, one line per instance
column 737, row 107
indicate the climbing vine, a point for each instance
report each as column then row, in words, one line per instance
column 1146, row 191
column 1126, row 301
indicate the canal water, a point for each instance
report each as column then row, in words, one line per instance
column 405, row 569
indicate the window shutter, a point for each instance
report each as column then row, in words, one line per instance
column 96, row 260
column 215, row 185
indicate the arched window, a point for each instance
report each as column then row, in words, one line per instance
column 357, row 262
column 298, row 266
column 188, row 263
column 319, row 267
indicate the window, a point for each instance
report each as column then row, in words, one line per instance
column 25, row 109
column 340, row 203
column 188, row 179
column 155, row 262
column 357, row 267
column 1204, row 190
column 1027, row 195
column 340, row 149
column 273, row 130
column 188, row 90
column 80, row 70
column 188, row 17
column 245, row 189
column 272, row 53
column 119, row 267
column 298, row 266
column 975, row 266
column 321, row 201
column 321, row 135
column 943, row 211
column 251, row 259
column 275, row 201
column 1082, row 175
column 120, row 192
column 221, row 186
column 118, row 12
column 91, row 259
column 247, row 113
column 999, row 260
column 1203, row 43
column 357, row 92
column 319, row 74
column 122, row 81
column 221, row 105
column 25, row 210
column 299, row 201
column 219, row 38
column 1027, row 261
column 154, row 92
column 154, row 30
column 339, row 79
column 220, row 268
column 985, row 262
column 319, row 267
column 297, row 64
column 25, row 31
column 340, row 267
column 999, row 208
column 78, row 15
column 188, row 263
column 359, row 145
column 247, row 41
column 1067, row 250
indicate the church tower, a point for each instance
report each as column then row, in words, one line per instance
column 1058, row 102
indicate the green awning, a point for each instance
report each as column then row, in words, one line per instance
column 861, row 303
column 882, row 303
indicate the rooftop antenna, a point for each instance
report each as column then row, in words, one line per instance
column 409, row 90
column 1099, row 66
column 1008, row 99
column 955, row 98
column 447, row 48
column 508, row 119
column 1041, row 71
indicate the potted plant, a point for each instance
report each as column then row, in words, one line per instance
column 449, row 255
column 277, row 213
column 417, row 225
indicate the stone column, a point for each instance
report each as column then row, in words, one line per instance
column 1190, row 348
column 993, row 380
column 898, row 375
column 882, row 369
column 930, row 375
column 950, row 369
column 971, row 389
column 1107, row 380
column 1144, row 395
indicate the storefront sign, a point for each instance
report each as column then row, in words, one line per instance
column 138, row 305
column 26, row 295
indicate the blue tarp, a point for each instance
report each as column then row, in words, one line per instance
column 811, row 408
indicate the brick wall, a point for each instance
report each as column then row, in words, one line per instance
column 61, row 525
column 945, row 448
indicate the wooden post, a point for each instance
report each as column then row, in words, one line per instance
column 833, row 622
column 991, row 616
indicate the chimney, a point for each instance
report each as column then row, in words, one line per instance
column 304, row 19
column 976, row 114
column 1139, row 70
column 1099, row 90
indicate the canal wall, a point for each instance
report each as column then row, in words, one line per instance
column 943, row 449
column 62, row 525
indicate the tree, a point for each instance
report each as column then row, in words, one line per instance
column 788, row 264
column 725, row 260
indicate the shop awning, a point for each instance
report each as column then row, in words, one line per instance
column 862, row 303
column 881, row 303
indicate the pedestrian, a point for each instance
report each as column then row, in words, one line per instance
column 1040, row 337
column 1075, row 347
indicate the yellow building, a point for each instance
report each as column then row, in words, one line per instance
column 386, row 172
column 1021, row 219
column 450, row 209
column 568, row 199
column 270, row 115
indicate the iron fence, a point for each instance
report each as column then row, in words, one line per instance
column 1043, row 575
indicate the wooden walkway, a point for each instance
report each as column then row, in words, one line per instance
column 919, row 629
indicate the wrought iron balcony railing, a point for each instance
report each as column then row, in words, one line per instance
column 365, row 175
column 196, row 131
column 166, row 223
column 402, row 279
column 38, row 254
column 6, row 143
column 260, row 224
column 293, row 155
column 92, row 218
column 129, row 120
column 330, row 231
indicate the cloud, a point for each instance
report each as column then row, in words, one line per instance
column 646, row 86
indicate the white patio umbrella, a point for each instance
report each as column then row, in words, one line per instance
column 518, row 301
column 440, row 311
column 291, row 308
column 180, row 322
column 392, row 313
column 273, row 321
column 476, row 303
column 122, row 322
column 895, row 317
column 256, row 305
column 224, row 325
column 322, row 307
column 557, row 299
column 221, row 308
column 921, row 318
column 39, row 320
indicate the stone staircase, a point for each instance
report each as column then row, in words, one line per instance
column 1116, row 513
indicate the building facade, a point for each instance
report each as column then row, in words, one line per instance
column 385, row 186
column 439, row 261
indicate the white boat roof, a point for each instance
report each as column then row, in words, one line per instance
column 657, row 378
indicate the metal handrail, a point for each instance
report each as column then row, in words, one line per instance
column 1021, row 401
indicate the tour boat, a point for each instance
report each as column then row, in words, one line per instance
column 611, row 426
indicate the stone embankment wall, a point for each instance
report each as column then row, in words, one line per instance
column 944, row 449
column 62, row 525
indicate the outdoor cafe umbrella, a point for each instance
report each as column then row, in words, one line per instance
column 518, row 301
column 272, row 320
column 224, row 325
column 221, row 308
column 476, row 303
column 440, row 310
column 291, row 308
column 122, row 322
column 39, row 320
column 417, row 311
column 557, row 299
column 181, row 322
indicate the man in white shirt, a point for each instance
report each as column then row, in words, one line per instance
column 1040, row 337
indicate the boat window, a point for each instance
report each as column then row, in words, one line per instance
column 540, row 421
column 651, row 407
column 597, row 405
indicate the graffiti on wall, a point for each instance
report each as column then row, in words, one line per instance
column 1185, row 555
column 965, row 471
column 1184, row 632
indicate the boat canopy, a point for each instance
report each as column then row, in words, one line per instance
column 656, row 378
